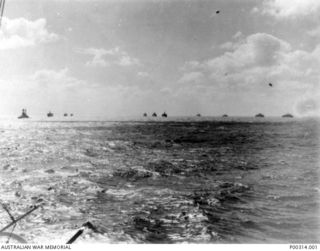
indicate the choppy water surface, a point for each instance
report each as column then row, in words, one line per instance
column 239, row 181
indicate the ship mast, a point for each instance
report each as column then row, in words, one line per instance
column 2, row 3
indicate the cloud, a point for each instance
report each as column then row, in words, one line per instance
column 58, row 80
column 97, row 57
column 251, row 63
column 191, row 77
column 20, row 32
column 102, row 57
column 125, row 60
column 227, row 45
column 255, row 10
column 230, row 45
column 314, row 33
column 143, row 74
column 259, row 49
column 237, row 35
column 290, row 8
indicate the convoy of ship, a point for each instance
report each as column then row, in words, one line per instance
column 24, row 115
column 259, row 115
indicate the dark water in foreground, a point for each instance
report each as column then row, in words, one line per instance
column 249, row 181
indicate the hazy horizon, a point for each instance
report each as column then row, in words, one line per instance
column 204, row 117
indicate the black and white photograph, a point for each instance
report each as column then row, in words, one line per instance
column 159, row 122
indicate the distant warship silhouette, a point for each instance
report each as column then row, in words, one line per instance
column 259, row 115
column 145, row 115
column 225, row 115
column 198, row 115
column 65, row 115
column 287, row 115
column 71, row 115
column 24, row 114
column 164, row 115
column 154, row 114
column 50, row 114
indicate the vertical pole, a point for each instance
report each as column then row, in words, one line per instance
column 2, row 3
column 0, row 12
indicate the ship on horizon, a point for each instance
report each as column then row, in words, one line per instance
column 287, row 115
column 24, row 114
column 259, row 115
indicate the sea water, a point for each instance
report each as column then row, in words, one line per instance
column 178, row 180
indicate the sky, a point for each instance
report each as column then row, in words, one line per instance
column 111, row 58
